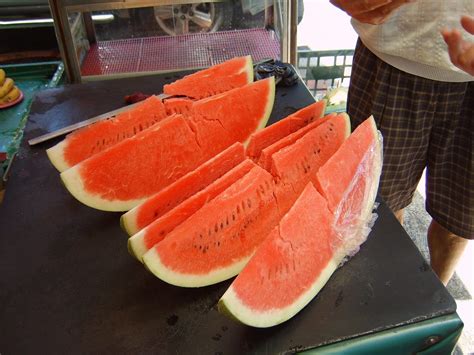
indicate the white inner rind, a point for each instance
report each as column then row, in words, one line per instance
column 136, row 245
column 56, row 156
column 268, row 318
column 73, row 181
column 129, row 221
column 347, row 133
column 153, row 262
column 249, row 69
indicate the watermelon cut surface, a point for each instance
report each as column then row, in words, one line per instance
column 349, row 181
column 297, row 164
column 234, row 114
column 191, row 183
column 178, row 105
column 219, row 78
column 216, row 242
column 265, row 158
column 290, row 267
column 144, row 240
column 316, row 236
column 273, row 133
column 99, row 136
column 128, row 173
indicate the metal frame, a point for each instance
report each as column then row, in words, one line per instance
column 61, row 8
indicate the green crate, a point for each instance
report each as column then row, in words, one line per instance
column 30, row 78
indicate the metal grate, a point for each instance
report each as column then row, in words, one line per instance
column 323, row 70
column 178, row 52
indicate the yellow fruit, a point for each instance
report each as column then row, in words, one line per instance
column 6, row 87
column 12, row 95
column 2, row 76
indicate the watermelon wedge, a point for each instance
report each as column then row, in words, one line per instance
column 289, row 268
column 298, row 257
column 125, row 175
column 219, row 78
column 99, row 136
column 265, row 158
column 297, row 164
column 144, row 240
column 191, row 183
column 349, row 181
column 236, row 113
column 273, row 133
column 216, row 242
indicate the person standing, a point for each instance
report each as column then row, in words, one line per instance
column 413, row 71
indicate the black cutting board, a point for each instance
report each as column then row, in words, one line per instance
column 68, row 284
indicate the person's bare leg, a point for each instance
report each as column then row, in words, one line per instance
column 446, row 249
column 399, row 215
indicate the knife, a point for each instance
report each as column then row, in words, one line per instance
column 73, row 127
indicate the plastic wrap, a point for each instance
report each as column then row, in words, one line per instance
column 356, row 214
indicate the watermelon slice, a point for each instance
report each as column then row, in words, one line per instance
column 126, row 174
column 216, row 242
column 313, row 238
column 297, row 164
column 265, row 158
column 349, row 181
column 171, row 196
column 288, row 269
column 95, row 138
column 271, row 134
column 144, row 240
column 235, row 114
column 219, row 78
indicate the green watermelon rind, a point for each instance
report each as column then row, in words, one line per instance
column 231, row 306
column 153, row 263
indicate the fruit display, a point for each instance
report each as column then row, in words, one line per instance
column 211, row 194
column 9, row 92
column 123, row 176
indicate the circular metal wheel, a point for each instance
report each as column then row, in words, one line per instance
column 189, row 18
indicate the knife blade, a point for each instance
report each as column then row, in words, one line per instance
column 75, row 126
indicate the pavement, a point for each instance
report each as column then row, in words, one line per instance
column 461, row 286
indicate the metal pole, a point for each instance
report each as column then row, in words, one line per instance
column 293, row 26
column 65, row 40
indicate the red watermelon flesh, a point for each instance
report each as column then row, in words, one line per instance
column 126, row 174
column 271, row 134
column 179, row 105
column 191, row 183
column 288, row 269
column 222, row 115
column 297, row 164
column 216, row 242
column 144, row 240
column 97, row 137
column 313, row 238
column 265, row 160
column 349, row 181
column 219, row 78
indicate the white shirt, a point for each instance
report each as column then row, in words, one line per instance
column 410, row 39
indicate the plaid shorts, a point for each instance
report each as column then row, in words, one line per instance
column 424, row 123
